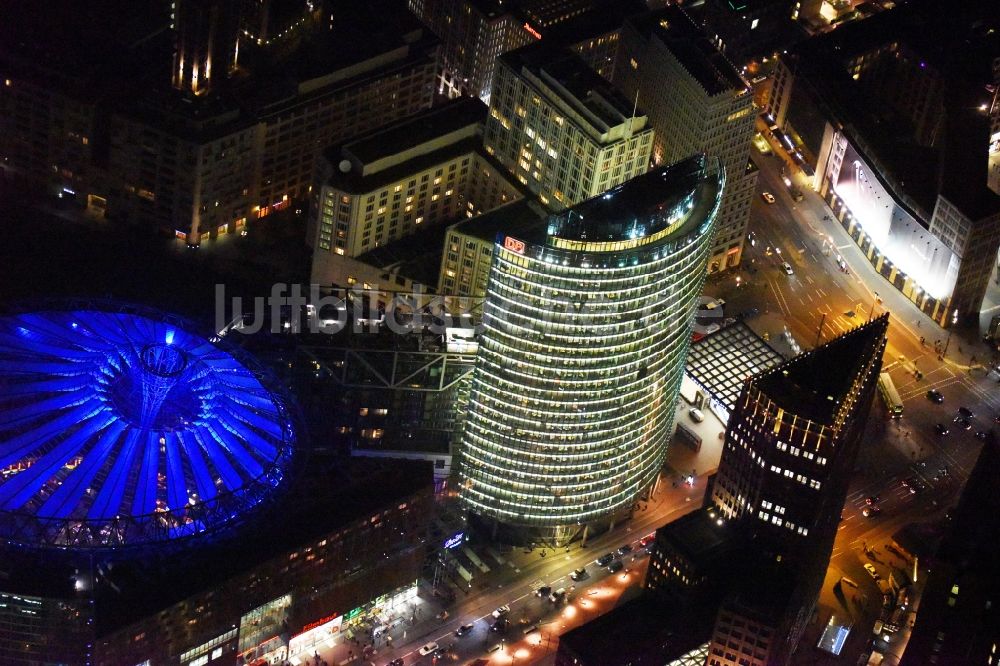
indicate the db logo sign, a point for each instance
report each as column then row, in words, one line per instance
column 513, row 245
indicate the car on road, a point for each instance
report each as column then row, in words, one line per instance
column 625, row 550
column 870, row 511
column 464, row 629
column 787, row 267
column 941, row 429
column 500, row 612
column 965, row 412
column 696, row 415
column 615, row 566
column 935, row 396
column 871, row 571
column 963, row 423
column 396, row 662
column 428, row 648
column 579, row 573
column 768, row 197
column 981, row 436
column 874, row 499
column 604, row 560
column 557, row 596
column 646, row 540
column 543, row 591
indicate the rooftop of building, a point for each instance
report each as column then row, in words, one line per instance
column 424, row 127
column 721, row 362
column 431, row 137
column 959, row 46
column 416, row 257
column 692, row 48
column 515, row 218
column 600, row 19
column 574, row 83
column 643, row 627
column 815, row 383
column 699, row 536
column 674, row 200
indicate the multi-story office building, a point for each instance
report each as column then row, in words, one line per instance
column 893, row 113
column 426, row 169
column 747, row 29
column 561, row 129
column 792, row 442
column 587, row 322
column 36, row 629
column 203, row 164
column 696, row 101
column 468, row 246
column 331, row 563
column 207, row 38
column 958, row 619
column 474, row 33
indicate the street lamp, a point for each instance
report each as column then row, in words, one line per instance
column 874, row 303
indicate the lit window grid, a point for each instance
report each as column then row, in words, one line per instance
column 525, row 482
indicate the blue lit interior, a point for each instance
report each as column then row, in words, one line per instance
column 119, row 427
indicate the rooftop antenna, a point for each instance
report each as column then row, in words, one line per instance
column 635, row 109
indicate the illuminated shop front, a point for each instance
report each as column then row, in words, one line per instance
column 586, row 328
column 902, row 250
column 265, row 636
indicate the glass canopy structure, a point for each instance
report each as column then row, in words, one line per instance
column 119, row 427
column 586, row 329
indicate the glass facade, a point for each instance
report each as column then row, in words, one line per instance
column 586, row 330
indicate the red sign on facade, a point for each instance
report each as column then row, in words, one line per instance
column 531, row 31
column 514, row 245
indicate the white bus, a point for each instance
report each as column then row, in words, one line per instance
column 890, row 395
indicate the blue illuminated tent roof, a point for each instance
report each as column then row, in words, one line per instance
column 120, row 427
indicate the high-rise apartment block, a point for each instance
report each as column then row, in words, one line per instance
column 561, row 129
column 574, row 388
column 696, row 101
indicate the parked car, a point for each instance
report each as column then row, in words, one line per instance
column 768, row 197
column 870, row 511
column 935, row 396
column 965, row 412
column 646, row 540
column 871, row 571
column 557, row 596
column 874, row 499
column 696, row 415
column 625, row 550
column 963, row 423
column 981, row 436
column 500, row 626
column 603, row 560
column 396, row 662
column 615, row 566
column 428, row 648
column 579, row 573
column 543, row 591
column 941, row 429
column 464, row 629
column 500, row 612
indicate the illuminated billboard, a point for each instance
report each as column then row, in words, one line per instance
column 900, row 238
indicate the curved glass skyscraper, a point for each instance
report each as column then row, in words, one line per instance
column 586, row 330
